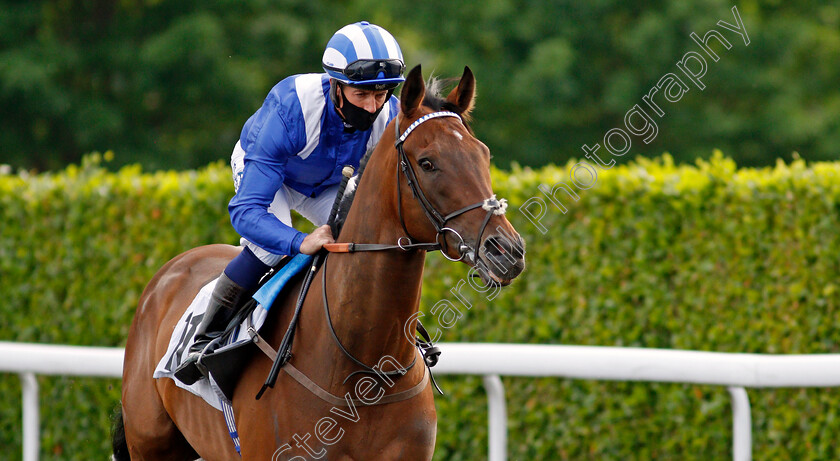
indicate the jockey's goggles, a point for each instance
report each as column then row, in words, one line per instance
column 372, row 69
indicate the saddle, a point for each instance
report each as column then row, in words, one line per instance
column 241, row 338
column 224, row 364
column 233, row 345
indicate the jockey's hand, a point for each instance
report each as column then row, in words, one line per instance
column 314, row 241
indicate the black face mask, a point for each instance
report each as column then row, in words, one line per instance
column 357, row 117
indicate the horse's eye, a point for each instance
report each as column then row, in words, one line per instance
column 427, row 164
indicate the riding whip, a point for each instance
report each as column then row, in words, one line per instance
column 284, row 352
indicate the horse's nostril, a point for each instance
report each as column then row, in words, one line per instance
column 495, row 247
column 504, row 247
column 503, row 257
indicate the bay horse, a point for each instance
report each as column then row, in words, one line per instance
column 431, row 186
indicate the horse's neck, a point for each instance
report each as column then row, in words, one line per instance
column 373, row 295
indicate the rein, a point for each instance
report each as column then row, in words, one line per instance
column 429, row 351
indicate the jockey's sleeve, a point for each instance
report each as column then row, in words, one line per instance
column 269, row 144
column 249, row 210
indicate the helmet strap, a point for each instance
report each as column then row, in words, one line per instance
column 335, row 87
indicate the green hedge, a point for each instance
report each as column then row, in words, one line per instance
column 704, row 257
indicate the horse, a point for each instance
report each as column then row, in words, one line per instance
column 408, row 184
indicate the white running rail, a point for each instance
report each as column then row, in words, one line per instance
column 734, row 371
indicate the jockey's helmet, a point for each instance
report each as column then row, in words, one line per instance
column 364, row 55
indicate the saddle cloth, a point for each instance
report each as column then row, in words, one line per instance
column 183, row 335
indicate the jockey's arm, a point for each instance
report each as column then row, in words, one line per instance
column 269, row 144
column 249, row 210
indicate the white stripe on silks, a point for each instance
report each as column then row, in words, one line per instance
column 360, row 42
column 259, row 315
column 379, row 125
column 311, row 96
column 390, row 43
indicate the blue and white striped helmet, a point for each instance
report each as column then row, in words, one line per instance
column 364, row 54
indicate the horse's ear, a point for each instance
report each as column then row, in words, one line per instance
column 463, row 96
column 413, row 91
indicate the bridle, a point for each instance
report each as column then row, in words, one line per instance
column 438, row 220
column 492, row 205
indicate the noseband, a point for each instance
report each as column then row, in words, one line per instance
column 438, row 220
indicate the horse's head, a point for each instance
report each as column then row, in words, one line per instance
column 447, row 170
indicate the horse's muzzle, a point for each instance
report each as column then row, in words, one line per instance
column 501, row 259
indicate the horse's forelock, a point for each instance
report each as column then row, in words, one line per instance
column 436, row 100
column 434, row 90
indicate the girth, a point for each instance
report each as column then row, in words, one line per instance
column 333, row 399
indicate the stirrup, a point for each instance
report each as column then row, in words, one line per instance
column 191, row 370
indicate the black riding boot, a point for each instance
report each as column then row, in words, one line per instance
column 224, row 304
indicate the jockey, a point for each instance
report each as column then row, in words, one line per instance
column 290, row 156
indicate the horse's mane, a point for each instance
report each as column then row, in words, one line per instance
column 349, row 194
column 434, row 100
